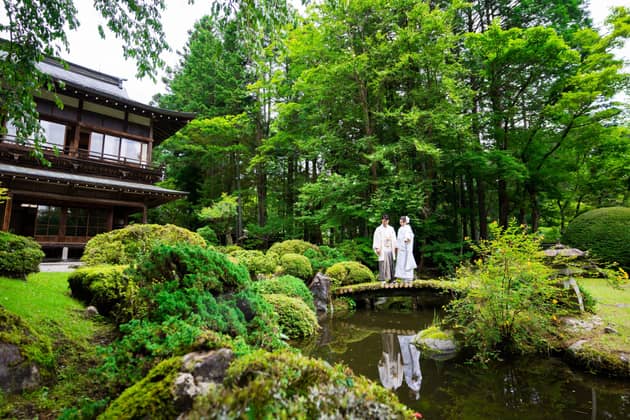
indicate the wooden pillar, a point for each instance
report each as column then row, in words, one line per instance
column 110, row 219
column 8, row 208
column 144, row 213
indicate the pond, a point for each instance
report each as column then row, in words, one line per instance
column 375, row 344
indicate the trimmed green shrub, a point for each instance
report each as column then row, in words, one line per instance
column 104, row 286
column 292, row 246
column 124, row 246
column 256, row 262
column 19, row 255
column 349, row 272
column 288, row 286
column 288, row 385
column 208, row 235
column 323, row 259
column 296, row 319
column 296, row 265
column 604, row 232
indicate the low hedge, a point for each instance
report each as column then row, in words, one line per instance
column 288, row 286
column 292, row 246
column 256, row 262
column 19, row 255
column 604, row 232
column 349, row 272
column 104, row 286
column 296, row 265
column 124, row 246
column 296, row 319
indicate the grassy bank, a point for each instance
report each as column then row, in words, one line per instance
column 613, row 307
column 44, row 302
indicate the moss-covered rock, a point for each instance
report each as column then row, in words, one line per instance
column 436, row 343
column 292, row 246
column 296, row 319
column 288, row 286
column 586, row 356
column 153, row 397
column 604, row 232
column 106, row 287
column 296, row 265
column 349, row 272
column 124, row 246
column 288, row 385
column 26, row 358
column 19, row 255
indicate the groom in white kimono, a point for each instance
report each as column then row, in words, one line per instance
column 383, row 243
column 405, row 263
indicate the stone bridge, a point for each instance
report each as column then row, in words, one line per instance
column 423, row 292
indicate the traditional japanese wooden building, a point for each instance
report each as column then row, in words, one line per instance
column 99, row 147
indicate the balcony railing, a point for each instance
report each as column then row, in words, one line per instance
column 79, row 161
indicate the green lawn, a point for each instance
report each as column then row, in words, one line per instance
column 44, row 302
column 613, row 307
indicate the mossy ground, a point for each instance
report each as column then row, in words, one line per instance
column 44, row 302
column 603, row 350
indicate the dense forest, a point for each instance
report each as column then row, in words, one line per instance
column 456, row 114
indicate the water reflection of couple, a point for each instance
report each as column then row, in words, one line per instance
column 401, row 359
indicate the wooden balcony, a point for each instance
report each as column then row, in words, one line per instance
column 81, row 162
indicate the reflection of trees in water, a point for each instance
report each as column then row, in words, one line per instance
column 336, row 335
column 400, row 360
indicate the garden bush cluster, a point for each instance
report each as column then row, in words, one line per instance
column 124, row 246
column 19, row 255
column 604, row 232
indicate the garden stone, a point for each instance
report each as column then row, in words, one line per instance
column 320, row 288
column 16, row 374
column 91, row 312
column 436, row 344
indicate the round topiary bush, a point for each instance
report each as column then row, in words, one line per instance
column 296, row 319
column 104, row 286
column 124, row 246
column 19, row 255
column 604, row 232
column 296, row 265
column 256, row 262
column 292, row 246
column 288, row 286
column 349, row 272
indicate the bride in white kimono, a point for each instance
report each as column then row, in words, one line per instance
column 405, row 262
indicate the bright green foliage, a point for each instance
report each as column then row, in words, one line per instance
column 124, row 246
column 208, row 235
column 288, row 385
column 286, row 285
column 33, row 347
column 185, row 291
column 106, row 287
column 19, row 255
column 349, row 272
column 296, row 265
column 256, row 262
column 292, row 246
column 296, row 319
column 326, row 257
column 360, row 249
column 151, row 397
column 604, row 232
column 511, row 300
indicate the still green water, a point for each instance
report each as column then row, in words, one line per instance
column 375, row 344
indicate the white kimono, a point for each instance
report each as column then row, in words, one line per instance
column 405, row 262
column 383, row 243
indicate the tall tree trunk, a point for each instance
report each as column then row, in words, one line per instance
column 483, row 209
column 474, row 233
column 535, row 209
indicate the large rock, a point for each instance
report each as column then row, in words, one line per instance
column 436, row 344
column 320, row 288
column 16, row 373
